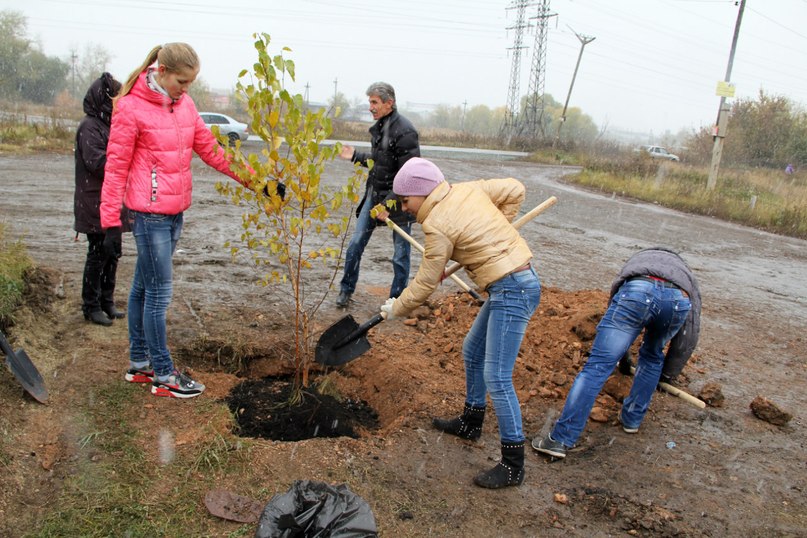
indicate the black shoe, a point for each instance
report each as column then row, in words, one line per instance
column 468, row 425
column 113, row 313
column 98, row 317
column 343, row 299
column 550, row 447
column 508, row 472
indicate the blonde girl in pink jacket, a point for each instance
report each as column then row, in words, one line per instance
column 155, row 131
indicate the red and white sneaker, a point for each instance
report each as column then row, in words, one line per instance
column 178, row 385
column 139, row 376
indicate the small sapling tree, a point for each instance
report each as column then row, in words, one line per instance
column 286, row 233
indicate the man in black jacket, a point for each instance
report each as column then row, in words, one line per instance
column 98, row 284
column 393, row 141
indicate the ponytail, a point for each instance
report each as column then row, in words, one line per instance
column 173, row 56
column 130, row 82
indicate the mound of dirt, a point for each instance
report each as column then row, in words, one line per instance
column 416, row 365
column 415, row 368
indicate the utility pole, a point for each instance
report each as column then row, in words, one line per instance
column 335, row 82
column 584, row 40
column 307, row 87
column 464, row 107
column 73, row 58
column 723, row 110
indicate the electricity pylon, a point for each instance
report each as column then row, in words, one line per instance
column 511, row 112
column 531, row 123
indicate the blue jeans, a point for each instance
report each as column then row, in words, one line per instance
column 156, row 237
column 355, row 249
column 492, row 344
column 639, row 304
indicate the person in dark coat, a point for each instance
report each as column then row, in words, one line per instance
column 655, row 292
column 393, row 141
column 98, row 284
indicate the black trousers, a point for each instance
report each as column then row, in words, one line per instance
column 98, row 284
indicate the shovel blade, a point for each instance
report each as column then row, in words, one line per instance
column 28, row 376
column 331, row 348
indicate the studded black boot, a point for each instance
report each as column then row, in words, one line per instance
column 467, row 426
column 508, row 472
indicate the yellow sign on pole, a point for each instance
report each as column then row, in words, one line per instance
column 725, row 89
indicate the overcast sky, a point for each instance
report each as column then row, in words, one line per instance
column 653, row 65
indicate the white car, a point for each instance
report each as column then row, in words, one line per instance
column 232, row 129
column 658, row 152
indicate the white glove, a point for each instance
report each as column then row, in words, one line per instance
column 386, row 308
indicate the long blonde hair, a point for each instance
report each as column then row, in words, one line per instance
column 173, row 56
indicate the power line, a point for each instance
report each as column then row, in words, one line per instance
column 777, row 23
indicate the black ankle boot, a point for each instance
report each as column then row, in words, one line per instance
column 113, row 313
column 98, row 317
column 467, row 426
column 508, row 472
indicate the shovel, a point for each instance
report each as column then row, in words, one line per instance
column 346, row 339
column 24, row 370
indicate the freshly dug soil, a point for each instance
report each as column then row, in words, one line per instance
column 267, row 408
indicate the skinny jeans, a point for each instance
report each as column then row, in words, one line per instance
column 156, row 237
column 491, row 347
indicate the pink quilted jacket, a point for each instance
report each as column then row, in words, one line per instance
column 148, row 166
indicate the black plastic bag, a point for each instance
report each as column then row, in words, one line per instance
column 311, row 509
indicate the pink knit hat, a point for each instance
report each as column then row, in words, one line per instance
column 417, row 177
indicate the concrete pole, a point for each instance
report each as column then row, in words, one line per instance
column 584, row 40
column 723, row 110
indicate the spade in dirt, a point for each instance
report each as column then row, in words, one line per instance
column 24, row 370
column 345, row 340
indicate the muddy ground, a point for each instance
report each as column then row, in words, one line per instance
column 689, row 472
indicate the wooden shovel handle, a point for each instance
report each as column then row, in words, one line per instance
column 524, row 219
column 411, row 240
column 697, row 402
column 675, row 391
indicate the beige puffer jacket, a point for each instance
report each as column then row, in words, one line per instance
column 469, row 223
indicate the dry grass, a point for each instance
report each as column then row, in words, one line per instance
column 354, row 130
column 763, row 198
column 14, row 263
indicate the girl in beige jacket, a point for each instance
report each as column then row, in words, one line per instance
column 471, row 223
